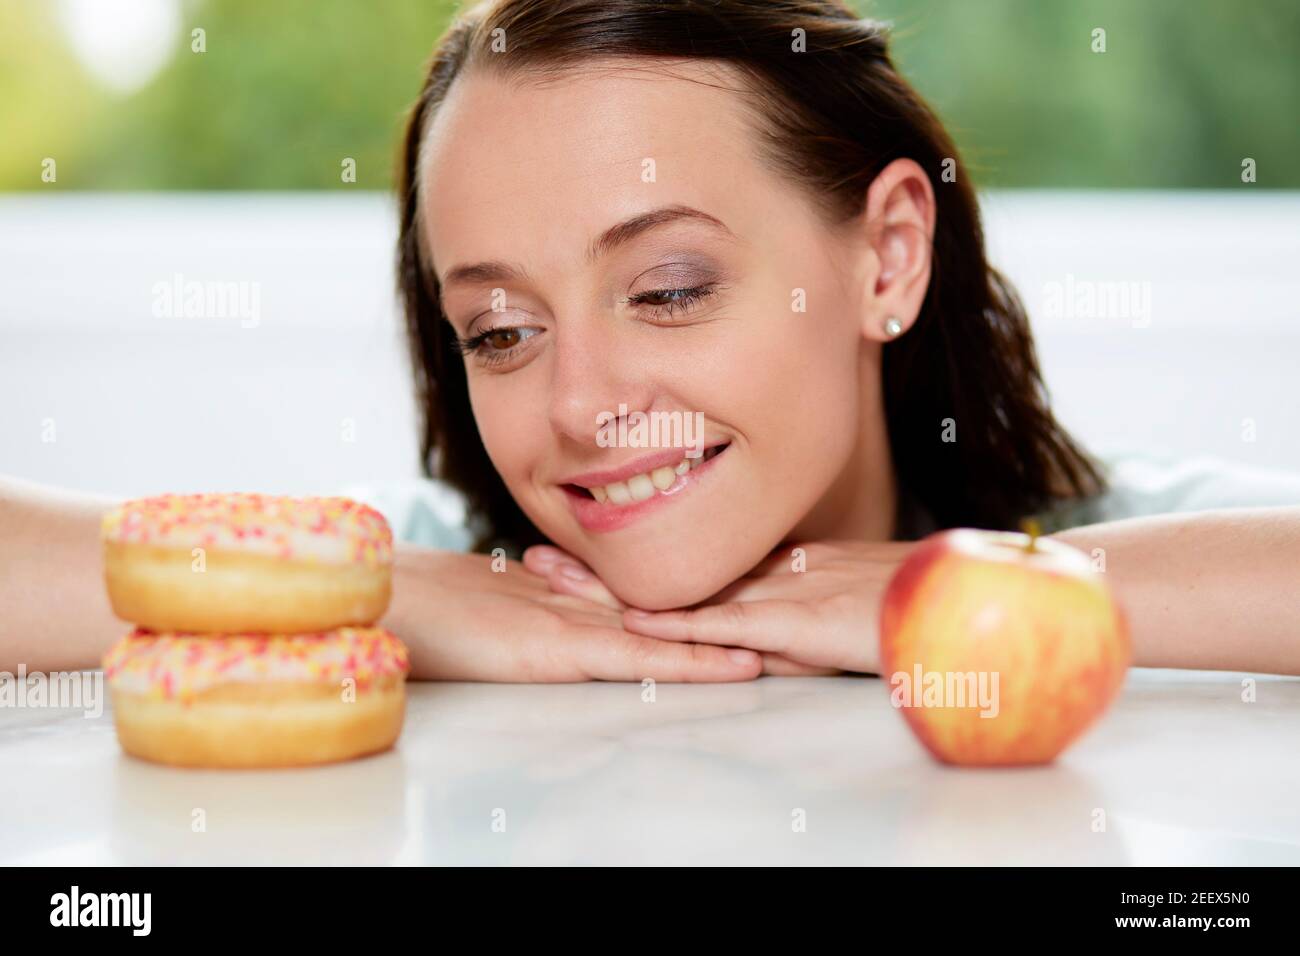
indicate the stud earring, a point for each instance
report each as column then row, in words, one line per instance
column 893, row 327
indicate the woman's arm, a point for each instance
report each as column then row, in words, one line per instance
column 1218, row 590
column 1215, row 590
column 54, row 612
column 461, row 618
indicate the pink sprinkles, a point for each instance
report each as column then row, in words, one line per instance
column 179, row 665
column 333, row 530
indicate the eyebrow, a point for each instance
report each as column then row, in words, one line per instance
column 609, row 240
column 629, row 229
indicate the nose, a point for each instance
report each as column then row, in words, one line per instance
column 595, row 376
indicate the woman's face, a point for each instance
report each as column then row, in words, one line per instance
column 611, row 244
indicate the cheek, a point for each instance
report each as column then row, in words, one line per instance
column 509, row 428
column 799, row 375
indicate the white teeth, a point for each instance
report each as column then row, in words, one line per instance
column 643, row 487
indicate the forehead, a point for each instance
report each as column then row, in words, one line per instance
column 514, row 168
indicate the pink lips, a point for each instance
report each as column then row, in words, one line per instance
column 594, row 515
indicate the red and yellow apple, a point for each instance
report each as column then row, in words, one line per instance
column 1000, row 648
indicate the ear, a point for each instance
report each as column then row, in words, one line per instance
column 899, row 219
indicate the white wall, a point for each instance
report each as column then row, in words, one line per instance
column 137, row 404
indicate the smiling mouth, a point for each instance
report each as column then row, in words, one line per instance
column 638, row 488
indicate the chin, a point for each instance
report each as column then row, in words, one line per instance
column 676, row 584
column 662, row 592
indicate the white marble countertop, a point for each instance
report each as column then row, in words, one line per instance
column 1184, row 771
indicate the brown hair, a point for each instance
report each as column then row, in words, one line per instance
column 832, row 117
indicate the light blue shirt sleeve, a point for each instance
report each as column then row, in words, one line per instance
column 1148, row 485
column 420, row 511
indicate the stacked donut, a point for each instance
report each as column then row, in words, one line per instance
column 255, row 643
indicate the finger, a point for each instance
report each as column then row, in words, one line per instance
column 772, row 578
column 571, row 578
column 540, row 558
column 760, row 625
column 614, row 655
column 780, row 560
column 775, row 665
column 752, row 589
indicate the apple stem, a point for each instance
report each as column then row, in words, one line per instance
column 1031, row 527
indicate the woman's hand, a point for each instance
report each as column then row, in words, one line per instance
column 463, row 621
column 818, row 620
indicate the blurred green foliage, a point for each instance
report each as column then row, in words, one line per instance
column 284, row 90
column 1185, row 90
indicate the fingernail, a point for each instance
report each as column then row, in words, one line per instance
column 739, row 656
column 573, row 572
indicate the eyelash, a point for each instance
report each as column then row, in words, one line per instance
column 676, row 299
column 685, row 298
column 471, row 346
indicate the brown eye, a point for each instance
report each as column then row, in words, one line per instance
column 502, row 339
column 497, row 346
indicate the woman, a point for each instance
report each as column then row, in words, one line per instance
column 736, row 216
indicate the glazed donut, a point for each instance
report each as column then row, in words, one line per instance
column 257, row 700
column 247, row 562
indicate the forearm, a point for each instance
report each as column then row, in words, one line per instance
column 1210, row 591
column 54, row 612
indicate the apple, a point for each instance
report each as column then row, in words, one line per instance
column 1000, row 648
